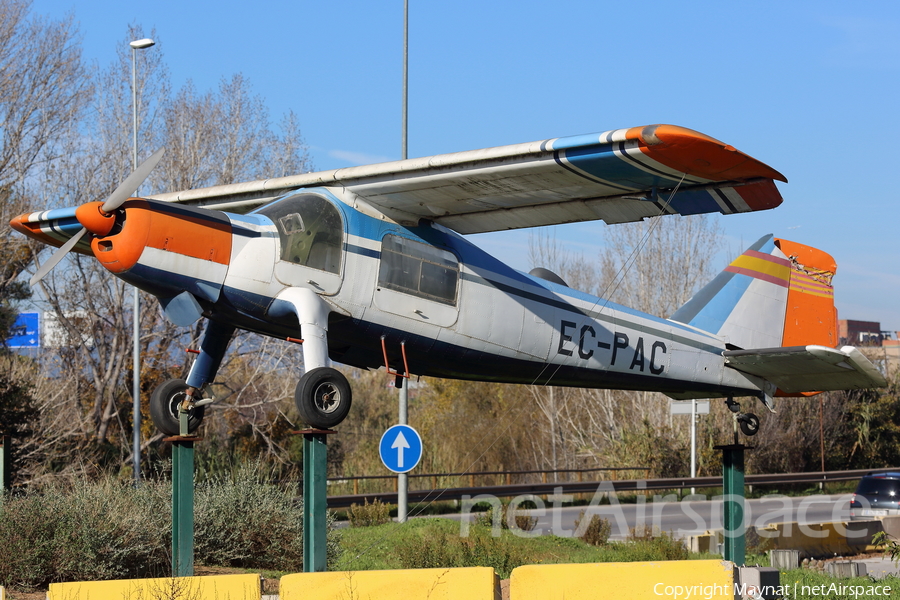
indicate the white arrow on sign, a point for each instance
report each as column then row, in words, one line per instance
column 400, row 444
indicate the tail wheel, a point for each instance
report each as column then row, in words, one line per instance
column 164, row 403
column 749, row 424
column 323, row 397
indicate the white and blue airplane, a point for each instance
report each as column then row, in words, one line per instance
column 368, row 266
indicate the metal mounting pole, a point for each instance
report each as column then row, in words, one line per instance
column 733, row 490
column 5, row 464
column 315, row 479
column 183, row 500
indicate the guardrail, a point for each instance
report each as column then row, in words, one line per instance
column 590, row 487
column 505, row 476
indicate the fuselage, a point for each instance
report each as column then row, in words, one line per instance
column 459, row 312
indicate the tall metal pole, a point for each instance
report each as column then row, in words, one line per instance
column 402, row 479
column 403, row 133
column 136, row 330
column 693, row 441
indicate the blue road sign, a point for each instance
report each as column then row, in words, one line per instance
column 400, row 448
column 25, row 332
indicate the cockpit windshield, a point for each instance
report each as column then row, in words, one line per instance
column 310, row 230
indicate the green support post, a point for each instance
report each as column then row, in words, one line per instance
column 5, row 464
column 733, row 489
column 315, row 474
column 183, row 500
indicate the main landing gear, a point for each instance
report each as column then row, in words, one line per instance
column 323, row 397
column 748, row 422
column 323, row 394
column 175, row 395
column 166, row 401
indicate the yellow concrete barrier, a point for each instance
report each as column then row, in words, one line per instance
column 708, row 579
column 470, row 583
column 214, row 587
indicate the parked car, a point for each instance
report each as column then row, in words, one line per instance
column 877, row 495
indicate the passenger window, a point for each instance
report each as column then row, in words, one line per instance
column 310, row 230
column 418, row 269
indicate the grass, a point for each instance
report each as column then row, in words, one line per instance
column 807, row 584
column 435, row 542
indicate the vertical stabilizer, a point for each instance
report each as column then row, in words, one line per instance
column 776, row 294
column 746, row 303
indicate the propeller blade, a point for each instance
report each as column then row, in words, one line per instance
column 131, row 183
column 56, row 257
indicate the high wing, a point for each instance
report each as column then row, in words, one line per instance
column 617, row 176
column 808, row 368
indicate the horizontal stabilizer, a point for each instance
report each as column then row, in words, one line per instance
column 808, row 368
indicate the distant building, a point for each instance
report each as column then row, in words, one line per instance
column 881, row 347
column 860, row 333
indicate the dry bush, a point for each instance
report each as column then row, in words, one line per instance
column 367, row 515
column 597, row 531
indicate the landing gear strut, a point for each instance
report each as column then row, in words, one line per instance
column 748, row 422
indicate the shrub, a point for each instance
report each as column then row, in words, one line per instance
column 438, row 549
column 523, row 522
column 105, row 530
column 661, row 547
column 110, row 530
column 368, row 515
column 597, row 531
column 242, row 521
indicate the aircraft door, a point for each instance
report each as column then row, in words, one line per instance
column 311, row 240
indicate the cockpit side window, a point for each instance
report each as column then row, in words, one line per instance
column 310, row 230
column 419, row 269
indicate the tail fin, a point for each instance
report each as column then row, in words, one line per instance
column 777, row 293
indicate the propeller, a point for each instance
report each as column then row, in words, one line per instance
column 113, row 202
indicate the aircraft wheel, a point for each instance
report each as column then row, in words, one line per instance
column 323, row 397
column 749, row 424
column 164, row 407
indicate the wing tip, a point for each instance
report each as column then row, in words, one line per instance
column 698, row 154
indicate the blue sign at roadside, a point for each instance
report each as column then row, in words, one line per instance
column 400, row 448
column 25, row 332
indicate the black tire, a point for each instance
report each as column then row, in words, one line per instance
column 164, row 407
column 323, row 397
column 749, row 424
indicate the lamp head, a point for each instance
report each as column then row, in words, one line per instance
column 144, row 43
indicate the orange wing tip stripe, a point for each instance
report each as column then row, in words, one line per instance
column 697, row 154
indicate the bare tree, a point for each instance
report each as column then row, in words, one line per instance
column 654, row 266
column 43, row 87
column 215, row 137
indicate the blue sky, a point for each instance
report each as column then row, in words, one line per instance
column 811, row 88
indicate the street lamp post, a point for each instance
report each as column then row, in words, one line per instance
column 136, row 383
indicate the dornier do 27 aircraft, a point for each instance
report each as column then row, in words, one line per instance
column 368, row 267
